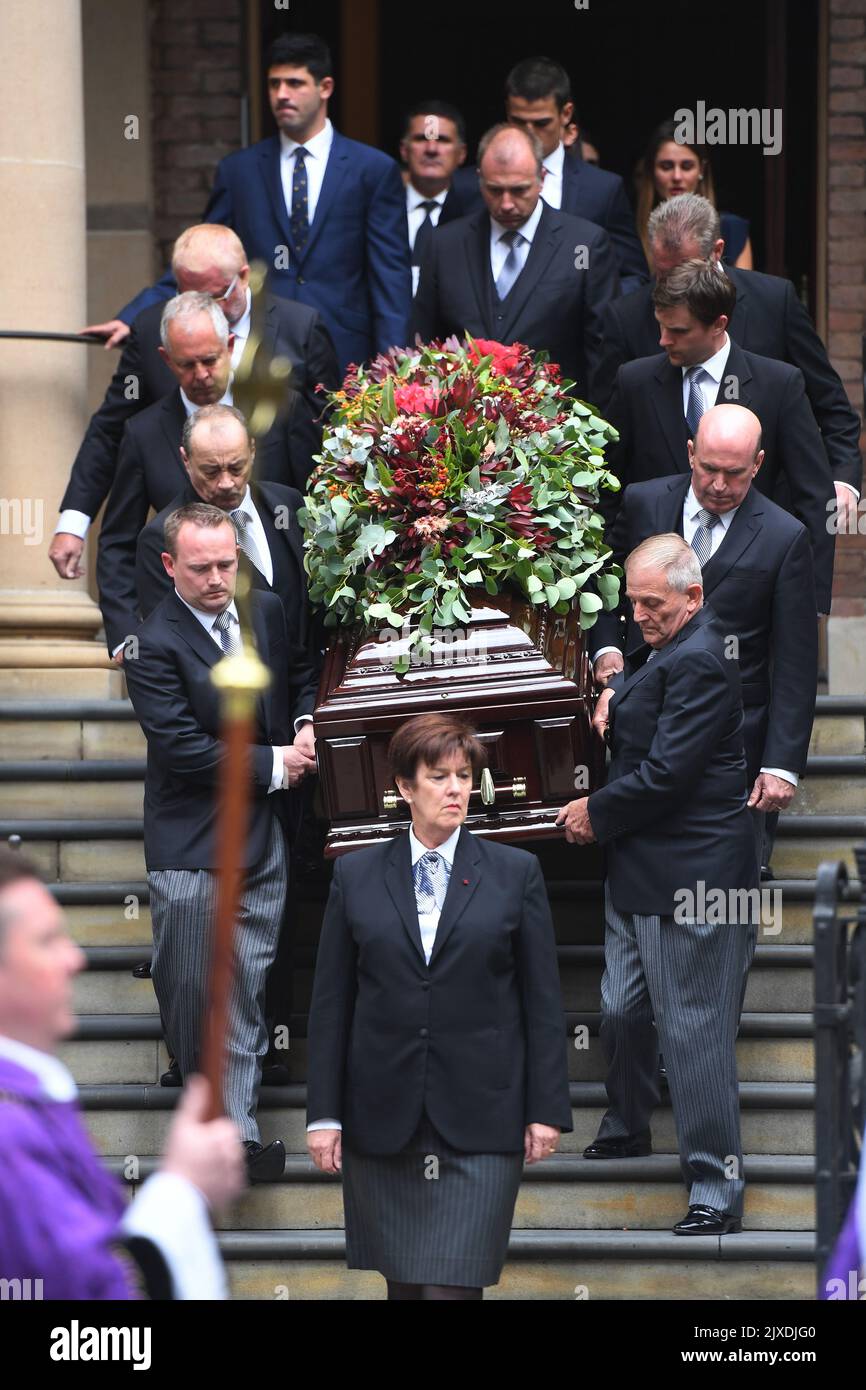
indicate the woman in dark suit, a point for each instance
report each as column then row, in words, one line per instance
column 437, row 1059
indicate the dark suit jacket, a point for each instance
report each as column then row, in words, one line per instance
column 150, row 473
column 760, row 584
column 475, row 1038
column 277, row 507
column 291, row 330
column 589, row 192
column 647, row 409
column 354, row 267
column 178, row 708
column 673, row 813
column 769, row 320
column 552, row 305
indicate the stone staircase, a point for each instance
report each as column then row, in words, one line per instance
column 70, row 786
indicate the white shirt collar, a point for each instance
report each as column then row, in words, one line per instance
column 207, row 620
column 54, row 1078
column 529, row 228
column 554, row 163
column 319, row 146
column 246, row 504
column 191, row 409
column 447, row 849
column 715, row 365
column 693, row 506
column 414, row 199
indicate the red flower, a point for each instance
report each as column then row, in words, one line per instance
column 505, row 358
column 414, row 399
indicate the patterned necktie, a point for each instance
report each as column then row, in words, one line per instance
column 300, row 220
column 695, row 407
column 512, row 267
column 430, row 873
column 702, row 540
column 424, row 232
column 228, row 632
column 245, row 538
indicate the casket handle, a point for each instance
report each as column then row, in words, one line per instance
column 487, row 791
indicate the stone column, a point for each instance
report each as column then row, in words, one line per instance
column 47, row 625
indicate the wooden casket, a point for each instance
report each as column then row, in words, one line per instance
column 518, row 673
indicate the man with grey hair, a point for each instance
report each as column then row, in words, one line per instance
column 678, row 835
column 211, row 259
column 518, row 271
column 197, row 347
column 768, row 320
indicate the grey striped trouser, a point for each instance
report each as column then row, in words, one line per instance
column 182, row 903
column 688, row 976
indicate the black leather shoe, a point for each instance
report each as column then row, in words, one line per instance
column 635, row 1146
column 767, row 874
column 275, row 1074
column 265, row 1164
column 172, row 1077
column 706, row 1221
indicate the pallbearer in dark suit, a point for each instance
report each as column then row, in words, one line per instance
column 756, row 572
column 436, row 1035
column 658, row 402
column 518, row 272
column 681, row 865
column 169, row 678
column 218, row 456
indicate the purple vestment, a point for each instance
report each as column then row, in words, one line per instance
column 59, row 1208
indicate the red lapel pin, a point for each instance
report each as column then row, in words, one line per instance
column 466, row 883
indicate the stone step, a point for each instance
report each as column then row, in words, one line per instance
column 129, row 1049
column 777, row 1117
column 754, row 1275
column 833, row 786
column 779, row 988
column 805, row 841
column 839, row 725
column 111, row 913
column 69, row 729
column 566, row 1191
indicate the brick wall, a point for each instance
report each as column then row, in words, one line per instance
column 197, row 72
column 846, row 240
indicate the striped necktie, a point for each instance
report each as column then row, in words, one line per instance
column 245, row 538
column 695, row 405
column 702, row 540
column 227, row 630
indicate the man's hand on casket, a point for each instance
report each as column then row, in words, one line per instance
column 297, row 762
column 606, row 666
column 599, row 718
column 575, row 819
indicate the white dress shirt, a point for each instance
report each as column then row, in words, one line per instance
column 499, row 249
column 208, row 621
column 428, row 922
column 318, row 148
column 256, row 531
column 169, row 1211
column 551, row 187
column 416, row 214
column 241, row 330
column 191, row 408
column 714, row 369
